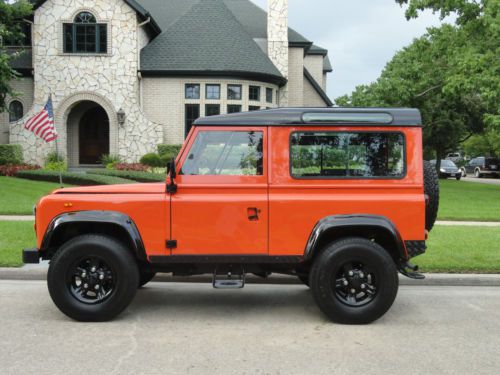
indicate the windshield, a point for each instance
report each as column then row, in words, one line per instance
column 447, row 163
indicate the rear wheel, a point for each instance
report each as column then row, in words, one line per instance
column 354, row 281
column 92, row 278
column 477, row 173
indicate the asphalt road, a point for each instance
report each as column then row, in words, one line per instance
column 489, row 181
column 262, row 329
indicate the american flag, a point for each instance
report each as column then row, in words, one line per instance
column 42, row 124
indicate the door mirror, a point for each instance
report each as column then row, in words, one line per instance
column 171, row 169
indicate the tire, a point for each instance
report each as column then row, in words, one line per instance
column 431, row 189
column 378, row 266
column 145, row 276
column 477, row 173
column 97, row 255
column 464, row 173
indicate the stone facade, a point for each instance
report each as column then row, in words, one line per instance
column 110, row 80
column 277, row 41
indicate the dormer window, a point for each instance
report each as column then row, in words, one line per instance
column 85, row 35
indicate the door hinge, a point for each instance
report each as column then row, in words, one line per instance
column 171, row 244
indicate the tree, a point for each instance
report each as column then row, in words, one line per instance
column 10, row 33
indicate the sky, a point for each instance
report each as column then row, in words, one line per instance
column 361, row 36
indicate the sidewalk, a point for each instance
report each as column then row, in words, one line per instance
column 39, row 272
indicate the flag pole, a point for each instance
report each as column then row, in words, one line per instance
column 59, row 162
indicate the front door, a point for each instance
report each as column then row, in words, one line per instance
column 93, row 136
column 221, row 205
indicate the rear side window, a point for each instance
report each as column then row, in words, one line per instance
column 229, row 153
column 347, row 155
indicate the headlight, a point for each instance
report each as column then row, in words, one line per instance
column 442, row 170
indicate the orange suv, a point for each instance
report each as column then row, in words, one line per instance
column 338, row 197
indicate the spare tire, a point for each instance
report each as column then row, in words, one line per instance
column 431, row 189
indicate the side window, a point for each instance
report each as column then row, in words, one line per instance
column 85, row 35
column 230, row 153
column 347, row 155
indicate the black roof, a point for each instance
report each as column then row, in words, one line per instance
column 309, row 116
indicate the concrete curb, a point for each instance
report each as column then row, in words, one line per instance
column 432, row 279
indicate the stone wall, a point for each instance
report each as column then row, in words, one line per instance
column 277, row 41
column 110, row 79
column 164, row 101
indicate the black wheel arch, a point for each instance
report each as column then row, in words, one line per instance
column 379, row 229
column 71, row 224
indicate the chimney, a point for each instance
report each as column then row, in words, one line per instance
column 277, row 41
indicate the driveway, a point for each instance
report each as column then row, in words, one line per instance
column 489, row 181
column 262, row 329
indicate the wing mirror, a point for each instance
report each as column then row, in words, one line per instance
column 172, row 173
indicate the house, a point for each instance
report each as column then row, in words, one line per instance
column 127, row 75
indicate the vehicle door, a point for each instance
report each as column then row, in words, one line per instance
column 221, row 203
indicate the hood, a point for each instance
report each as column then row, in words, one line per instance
column 143, row 188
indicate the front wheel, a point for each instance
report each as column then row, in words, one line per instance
column 354, row 281
column 92, row 278
column 477, row 173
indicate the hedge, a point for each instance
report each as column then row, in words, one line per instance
column 73, row 178
column 169, row 151
column 11, row 154
column 131, row 175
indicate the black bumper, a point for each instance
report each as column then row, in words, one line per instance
column 31, row 256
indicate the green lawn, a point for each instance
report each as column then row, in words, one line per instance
column 460, row 200
column 17, row 196
column 14, row 236
column 458, row 249
column 461, row 249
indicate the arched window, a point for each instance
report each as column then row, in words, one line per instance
column 16, row 111
column 85, row 35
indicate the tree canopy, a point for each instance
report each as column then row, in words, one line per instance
column 11, row 32
column 452, row 74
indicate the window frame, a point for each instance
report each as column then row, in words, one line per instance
column 207, row 85
column 224, row 179
column 259, row 89
column 22, row 110
column 98, row 41
column 235, row 85
column 192, row 84
column 236, row 105
column 252, row 108
column 209, row 105
column 269, row 90
column 186, row 105
column 400, row 177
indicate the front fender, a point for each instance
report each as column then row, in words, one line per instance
column 353, row 224
column 95, row 217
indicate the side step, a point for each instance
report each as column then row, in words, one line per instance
column 228, row 280
column 409, row 270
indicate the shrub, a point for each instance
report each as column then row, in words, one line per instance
column 131, row 167
column 11, row 154
column 109, row 160
column 151, row 159
column 56, row 166
column 53, row 157
column 11, row 170
column 167, row 152
column 131, row 175
column 72, row 178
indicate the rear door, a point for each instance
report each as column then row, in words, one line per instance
column 221, row 205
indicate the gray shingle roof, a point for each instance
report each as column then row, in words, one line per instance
column 316, row 50
column 207, row 39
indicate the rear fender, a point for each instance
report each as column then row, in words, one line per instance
column 374, row 227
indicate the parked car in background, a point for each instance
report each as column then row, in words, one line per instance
column 448, row 169
column 455, row 157
column 482, row 166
